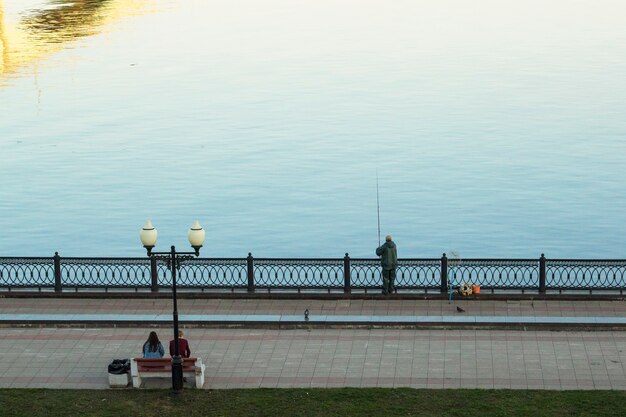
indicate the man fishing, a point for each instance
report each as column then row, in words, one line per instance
column 389, row 262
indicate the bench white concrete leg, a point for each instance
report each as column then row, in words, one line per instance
column 200, row 376
column 134, row 373
column 199, row 373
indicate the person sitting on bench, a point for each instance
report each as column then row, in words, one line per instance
column 153, row 348
column 183, row 346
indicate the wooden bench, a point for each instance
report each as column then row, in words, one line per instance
column 162, row 368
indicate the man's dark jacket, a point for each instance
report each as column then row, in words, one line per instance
column 389, row 255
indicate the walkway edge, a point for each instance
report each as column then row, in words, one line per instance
column 572, row 296
column 325, row 321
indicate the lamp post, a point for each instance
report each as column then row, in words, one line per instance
column 196, row 235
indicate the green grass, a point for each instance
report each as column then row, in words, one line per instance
column 311, row 402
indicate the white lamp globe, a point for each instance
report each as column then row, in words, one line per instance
column 148, row 234
column 196, row 235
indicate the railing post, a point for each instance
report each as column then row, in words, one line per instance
column 250, row 264
column 154, row 274
column 57, row 272
column 444, row 274
column 542, row 274
column 347, row 286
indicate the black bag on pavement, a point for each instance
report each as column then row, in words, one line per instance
column 119, row 366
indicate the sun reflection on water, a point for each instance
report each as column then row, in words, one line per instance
column 34, row 34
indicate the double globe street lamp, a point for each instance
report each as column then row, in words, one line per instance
column 196, row 235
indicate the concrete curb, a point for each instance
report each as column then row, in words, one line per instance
column 185, row 294
column 327, row 321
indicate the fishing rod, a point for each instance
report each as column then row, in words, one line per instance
column 378, row 208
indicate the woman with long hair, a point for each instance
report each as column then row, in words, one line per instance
column 153, row 348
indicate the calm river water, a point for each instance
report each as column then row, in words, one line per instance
column 497, row 128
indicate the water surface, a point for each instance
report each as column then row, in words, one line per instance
column 496, row 128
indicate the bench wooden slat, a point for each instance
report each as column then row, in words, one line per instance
column 162, row 360
column 163, row 364
column 164, row 368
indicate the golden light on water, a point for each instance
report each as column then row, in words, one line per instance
column 33, row 35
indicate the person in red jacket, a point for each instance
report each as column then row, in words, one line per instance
column 183, row 346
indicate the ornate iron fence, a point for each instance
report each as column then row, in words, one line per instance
column 105, row 272
column 496, row 273
column 336, row 274
column 410, row 274
column 564, row 274
column 299, row 273
column 207, row 273
column 27, row 272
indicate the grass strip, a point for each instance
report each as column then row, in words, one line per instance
column 343, row 402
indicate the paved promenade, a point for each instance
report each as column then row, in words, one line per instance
column 68, row 357
column 381, row 307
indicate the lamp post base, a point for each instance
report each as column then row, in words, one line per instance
column 177, row 373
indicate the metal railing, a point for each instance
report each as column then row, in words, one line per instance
column 331, row 274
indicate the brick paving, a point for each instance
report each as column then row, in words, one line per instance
column 66, row 357
column 250, row 358
column 379, row 307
